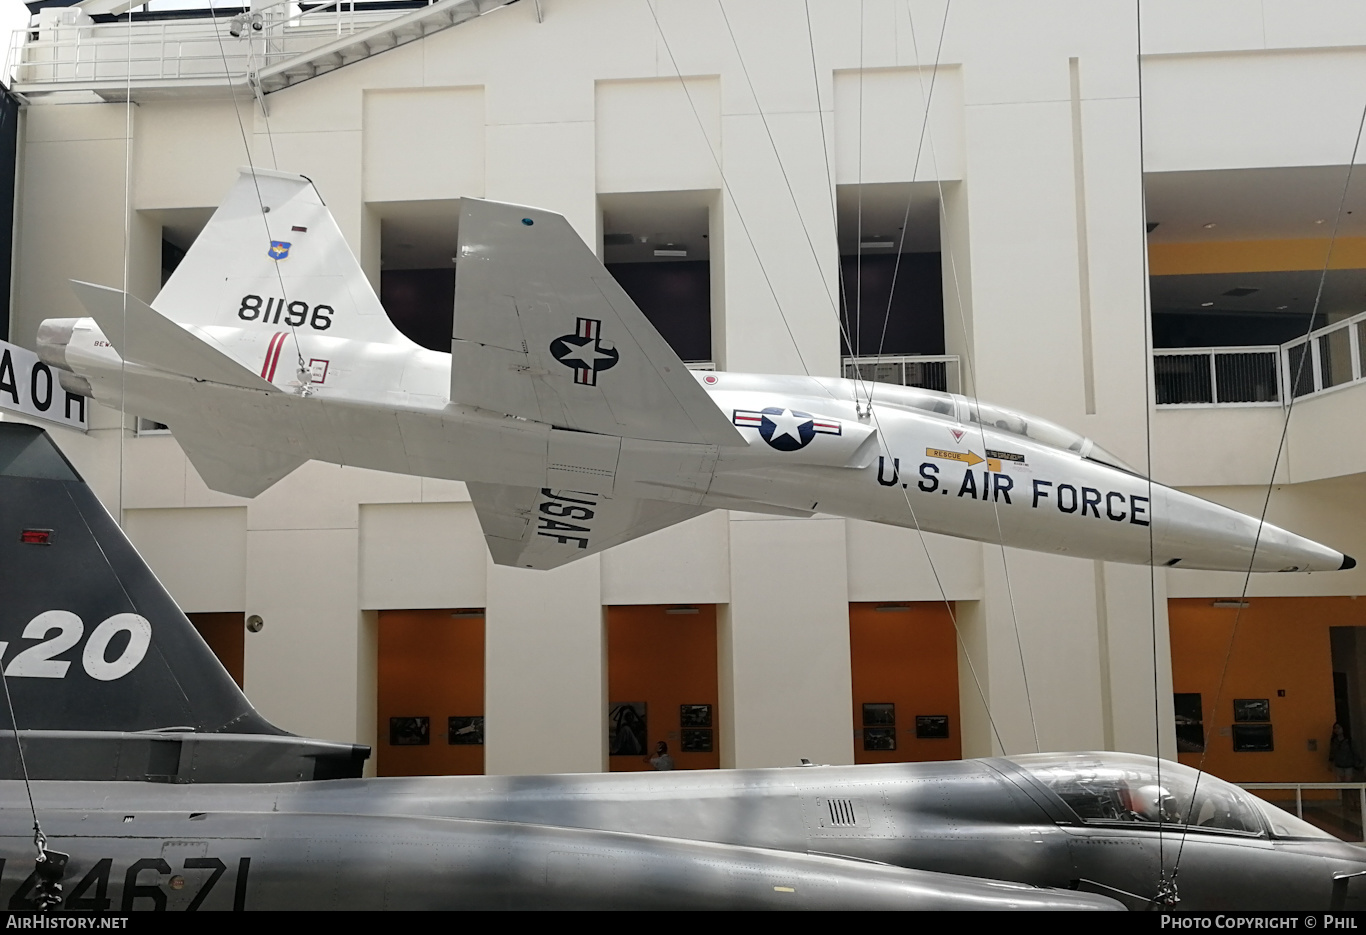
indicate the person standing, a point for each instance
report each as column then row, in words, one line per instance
column 661, row 759
column 1343, row 755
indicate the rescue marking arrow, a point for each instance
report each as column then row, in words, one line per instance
column 970, row 457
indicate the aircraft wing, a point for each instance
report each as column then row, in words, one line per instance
column 530, row 528
column 544, row 332
column 142, row 335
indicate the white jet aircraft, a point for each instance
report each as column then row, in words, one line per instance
column 574, row 424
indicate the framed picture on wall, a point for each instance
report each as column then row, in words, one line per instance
column 410, row 731
column 694, row 715
column 1190, row 725
column 463, row 731
column 626, row 729
column 1251, row 709
column 879, row 738
column 1252, row 738
column 879, row 714
column 931, row 727
column 696, row 740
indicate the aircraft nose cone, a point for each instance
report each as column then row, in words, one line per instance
column 1347, row 562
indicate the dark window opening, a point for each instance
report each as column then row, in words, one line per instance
column 421, row 304
column 912, row 322
column 676, row 298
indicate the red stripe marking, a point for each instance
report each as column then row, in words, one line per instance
column 265, row 365
column 277, row 344
column 276, row 359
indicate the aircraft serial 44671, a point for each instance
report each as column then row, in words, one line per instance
column 156, row 785
column 574, row 424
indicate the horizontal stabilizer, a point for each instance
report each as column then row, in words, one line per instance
column 543, row 331
column 142, row 335
column 229, row 467
column 530, row 528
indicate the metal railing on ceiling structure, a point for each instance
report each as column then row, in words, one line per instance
column 1323, row 360
column 274, row 46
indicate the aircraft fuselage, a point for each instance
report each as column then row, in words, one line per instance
column 452, row 842
column 914, row 458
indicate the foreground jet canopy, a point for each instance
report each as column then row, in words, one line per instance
column 167, row 790
column 574, row 424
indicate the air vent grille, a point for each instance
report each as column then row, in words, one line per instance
column 842, row 813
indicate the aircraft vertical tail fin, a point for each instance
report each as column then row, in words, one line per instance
column 273, row 256
column 94, row 649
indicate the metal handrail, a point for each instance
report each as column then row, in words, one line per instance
column 1299, row 787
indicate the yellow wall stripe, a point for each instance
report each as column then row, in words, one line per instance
column 1254, row 256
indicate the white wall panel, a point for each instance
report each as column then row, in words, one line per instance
column 1284, row 108
column 788, row 642
column 198, row 555
column 303, row 668
column 658, row 134
column 445, row 125
column 684, row 564
column 887, row 563
column 879, row 116
column 417, row 555
column 545, row 671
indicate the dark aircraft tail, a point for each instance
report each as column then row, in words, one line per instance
column 106, row 677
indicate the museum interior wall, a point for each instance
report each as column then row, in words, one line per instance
column 1032, row 168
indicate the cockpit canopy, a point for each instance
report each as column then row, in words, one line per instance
column 965, row 410
column 1124, row 788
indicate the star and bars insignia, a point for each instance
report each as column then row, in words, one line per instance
column 585, row 352
column 785, row 429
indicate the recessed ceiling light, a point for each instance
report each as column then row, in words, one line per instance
column 670, row 249
column 1319, row 221
column 1208, row 226
column 1206, row 304
column 1281, row 308
column 876, row 242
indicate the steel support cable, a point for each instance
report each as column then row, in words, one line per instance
column 725, row 184
column 1166, row 886
column 856, row 347
column 953, row 617
column 721, row 172
column 782, row 168
column 967, row 362
column 830, row 186
column 256, row 184
column 1280, row 446
column 882, row 437
column 915, row 174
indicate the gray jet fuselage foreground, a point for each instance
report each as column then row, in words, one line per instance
column 574, row 424
column 167, row 790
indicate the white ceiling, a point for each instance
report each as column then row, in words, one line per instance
column 1254, row 204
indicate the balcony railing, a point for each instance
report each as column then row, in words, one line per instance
column 1323, row 360
column 1335, row 807
column 273, row 46
column 1226, row 376
column 931, row 373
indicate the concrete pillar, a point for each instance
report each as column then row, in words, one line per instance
column 545, row 670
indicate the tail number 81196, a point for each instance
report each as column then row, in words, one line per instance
column 41, row 660
column 296, row 314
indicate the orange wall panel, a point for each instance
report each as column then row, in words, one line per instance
column 226, row 635
column 430, row 664
column 664, row 660
column 908, row 658
column 1280, row 643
